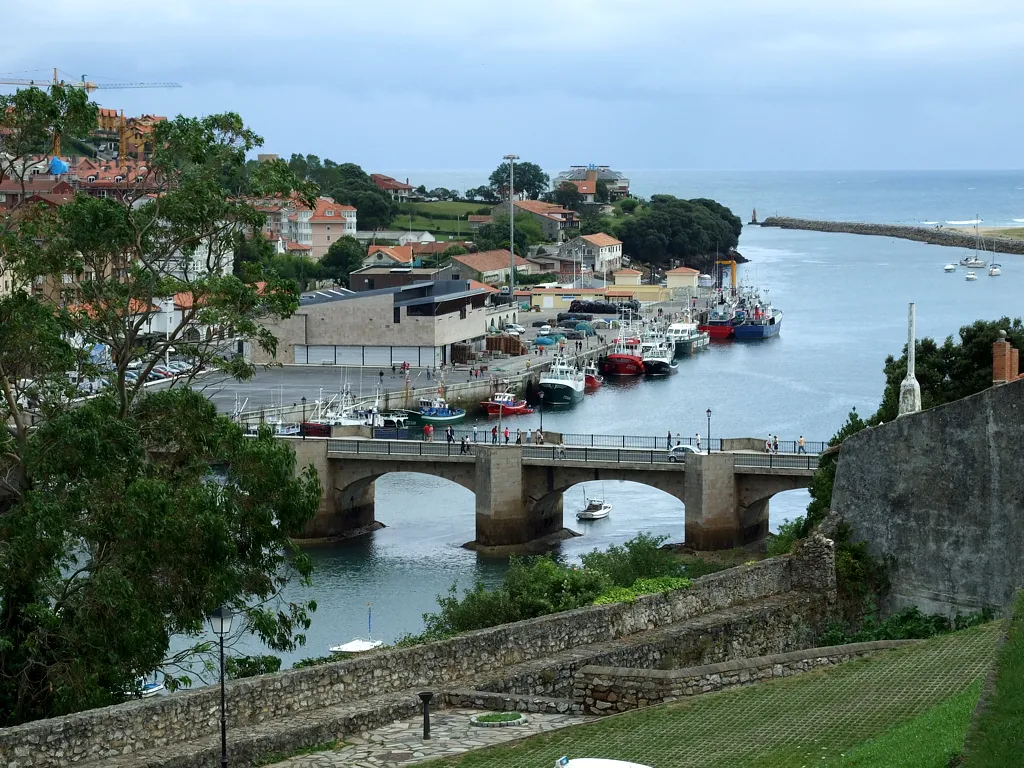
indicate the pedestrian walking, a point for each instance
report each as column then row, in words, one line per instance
column 696, row 440
column 800, row 445
column 560, row 453
column 519, row 437
column 775, row 444
column 381, row 374
column 529, row 436
column 392, row 370
column 679, row 440
column 768, row 444
column 494, row 435
column 450, row 434
column 428, row 373
column 506, row 435
column 476, row 438
column 540, row 437
column 668, row 441
column 463, row 446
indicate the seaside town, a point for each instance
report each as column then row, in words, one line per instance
column 315, row 462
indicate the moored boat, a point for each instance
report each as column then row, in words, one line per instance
column 436, row 411
column 657, row 356
column 624, row 359
column 592, row 378
column 721, row 322
column 595, row 510
column 505, row 404
column 563, row 383
column 949, row 268
column 994, row 270
column 763, row 324
column 687, row 337
column 970, row 276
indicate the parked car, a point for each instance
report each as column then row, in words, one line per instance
column 510, row 332
column 515, row 327
column 539, row 323
column 544, row 330
column 679, row 452
column 167, row 373
column 573, row 335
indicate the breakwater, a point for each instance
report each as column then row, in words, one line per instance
column 933, row 235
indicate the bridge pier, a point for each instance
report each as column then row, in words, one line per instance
column 502, row 516
column 716, row 517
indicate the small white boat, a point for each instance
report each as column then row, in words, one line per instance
column 994, row 271
column 970, row 276
column 972, row 261
column 359, row 645
column 149, row 688
column 596, row 509
column 949, row 268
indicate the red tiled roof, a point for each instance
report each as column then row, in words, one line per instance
column 478, row 284
column 430, row 249
column 293, row 246
column 628, row 271
column 401, row 254
column 388, row 183
column 43, row 197
column 135, row 306
column 481, row 219
column 542, row 208
column 683, row 271
column 489, row 261
column 601, row 240
column 325, row 204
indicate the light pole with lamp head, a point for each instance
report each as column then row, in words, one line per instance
column 542, row 413
column 302, row 427
column 511, row 225
column 708, row 412
column 220, row 621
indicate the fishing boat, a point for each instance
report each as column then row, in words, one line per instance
column 970, row 276
column 594, row 509
column 949, row 268
column 721, row 321
column 762, row 324
column 436, row 411
column 657, row 355
column 592, row 378
column 149, row 688
column 563, row 383
column 505, row 404
column 624, row 359
column 687, row 337
column 359, row 645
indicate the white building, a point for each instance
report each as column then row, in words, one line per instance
column 599, row 252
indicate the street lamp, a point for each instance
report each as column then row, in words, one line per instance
column 708, row 412
column 220, row 621
column 511, row 225
column 542, row 413
column 302, row 427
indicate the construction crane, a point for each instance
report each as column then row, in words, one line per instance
column 85, row 85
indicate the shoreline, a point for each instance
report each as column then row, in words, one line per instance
column 952, row 238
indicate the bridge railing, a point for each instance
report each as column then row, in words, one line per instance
column 776, row 460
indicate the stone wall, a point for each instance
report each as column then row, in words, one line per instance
column 606, row 690
column 949, row 237
column 194, row 715
column 939, row 494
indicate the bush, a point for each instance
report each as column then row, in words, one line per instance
column 249, row 666
column 909, row 624
column 782, row 542
column 642, row 587
column 316, row 661
column 639, row 558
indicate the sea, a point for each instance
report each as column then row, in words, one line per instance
column 844, row 299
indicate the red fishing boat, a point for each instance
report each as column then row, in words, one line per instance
column 505, row 404
column 721, row 322
column 593, row 378
column 624, row 359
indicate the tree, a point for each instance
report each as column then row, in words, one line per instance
column 495, row 235
column 591, row 224
column 530, row 180
column 114, row 533
column 482, row 193
column 628, row 204
column 601, row 193
column 421, row 190
column 348, row 184
column 343, row 257
column 568, row 196
column 691, row 231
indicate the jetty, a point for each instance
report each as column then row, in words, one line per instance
column 933, row 235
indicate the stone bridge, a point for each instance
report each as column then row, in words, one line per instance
column 519, row 488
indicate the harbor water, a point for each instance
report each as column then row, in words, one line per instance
column 844, row 298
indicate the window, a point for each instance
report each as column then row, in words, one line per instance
column 328, row 238
column 398, row 315
column 463, row 313
column 329, row 212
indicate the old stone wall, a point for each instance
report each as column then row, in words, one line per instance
column 940, row 495
column 193, row 716
column 606, row 690
column 931, row 235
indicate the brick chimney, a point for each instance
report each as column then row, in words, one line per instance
column 1005, row 361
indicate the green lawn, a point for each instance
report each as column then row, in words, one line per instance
column 434, row 226
column 449, row 208
column 919, row 695
column 1017, row 233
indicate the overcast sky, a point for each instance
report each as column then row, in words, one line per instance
column 414, row 84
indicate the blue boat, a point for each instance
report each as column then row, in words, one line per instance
column 759, row 325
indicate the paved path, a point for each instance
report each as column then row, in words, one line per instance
column 402, row 743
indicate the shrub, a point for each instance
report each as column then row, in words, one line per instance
column 782, row 542
column 249, row 666
column 639, row 558
column 642, row 587
column 909, row 624
column 316, row 661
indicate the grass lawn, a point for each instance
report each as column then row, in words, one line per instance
column 1016, row 233
column 450, row 208
column 419, row 223
column 821, row 718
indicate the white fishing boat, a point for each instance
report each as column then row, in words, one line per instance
column 563, row 383
column 687, row 337
column 658, row 355
column 594, row 509
column 970, row 276
column 359, row 644
column 949, row 268
column 149, row 688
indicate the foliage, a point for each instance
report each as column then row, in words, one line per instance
column 495, row 235
column 591, row 224
column 998, row 737
column 909, row 624
column 568, row 196
column 639, row 558
column 782, row 543
column 317, row 661
column 672, row 229
column 250, row 666
column 642, row 587
column 344, row 256
column 530, row 180
column 601, row 193
column 499, row 717
column 627, row 204
column 486, row 194
column 950, row 371
column 348, row 184
column 114, row 532
column 453, row 250
column 522, row 278
column 825, row 476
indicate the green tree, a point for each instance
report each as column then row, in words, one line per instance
column 343, row 257
column 601, row 193
column 568, row 196
column 495, row 235
column 628, row 204
column 116, row 534
column 348, row 184
column 530, row 180
column 591, row 224
column 672, row 229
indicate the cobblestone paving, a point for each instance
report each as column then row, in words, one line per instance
column 777, row 723
column 402, row 743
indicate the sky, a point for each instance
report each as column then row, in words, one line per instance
column 404, row 85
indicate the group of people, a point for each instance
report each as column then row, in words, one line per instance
column 771, row 444
column 679, row 440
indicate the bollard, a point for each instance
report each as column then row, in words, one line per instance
column 425, row 697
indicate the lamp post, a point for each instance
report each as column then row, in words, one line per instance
column 302, row 427
column 220, row 621
column 708, row 412
column 511, row 225
column 542, row 412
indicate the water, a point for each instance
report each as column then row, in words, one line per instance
column 845, row 299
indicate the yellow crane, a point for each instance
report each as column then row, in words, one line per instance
column 85, row 85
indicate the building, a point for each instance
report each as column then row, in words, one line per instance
column 585, row 178
column 399, row 236
column 396, row 189
column 309, row 231
column 476, row 221
column 682, row 277
column 487, row 266
column 421, row 251
column 12, row 191
column 389, row 256
column 555, row 220
column 374, row 278
column 628, row 277
column 416, row 324
column 598, row 252
column 137, row 136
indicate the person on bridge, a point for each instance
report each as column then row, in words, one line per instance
column 668, row 442
column 464, row 444
column 519, row 437
column 450, row 434
column 696, row 441
column 506, row 435
column 494, row 435
column 393, row 370
column 800, row 445
column 476, row 438
column 768, row 444
column 560, row 453
column 381, row 374
column 775, row 444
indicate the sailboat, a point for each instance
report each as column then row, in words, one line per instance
column 359, row 645
column 973, row 261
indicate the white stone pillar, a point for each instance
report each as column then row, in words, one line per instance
column 910, row 390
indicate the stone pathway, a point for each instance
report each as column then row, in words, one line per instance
column 402, row 743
